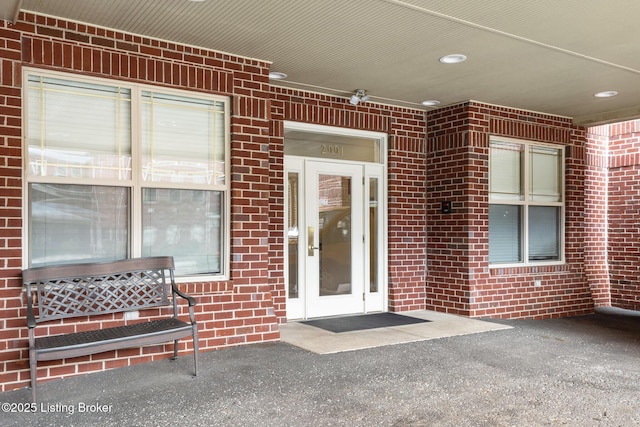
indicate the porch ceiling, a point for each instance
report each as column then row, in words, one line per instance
column 546, row 55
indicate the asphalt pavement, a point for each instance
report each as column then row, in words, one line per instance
column 581, row 371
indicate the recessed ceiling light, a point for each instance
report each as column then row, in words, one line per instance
column 430, row 102
column 605, row 94
column 275, row 75
column 454, row 58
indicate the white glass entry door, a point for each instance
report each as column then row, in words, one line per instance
column 334, row 232
column 334, row 239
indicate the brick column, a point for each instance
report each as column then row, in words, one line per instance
column 250, row 193
column 595, row 216
column 12, row 321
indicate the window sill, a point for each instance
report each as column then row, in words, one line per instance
column 530, row 268
column 201, row 279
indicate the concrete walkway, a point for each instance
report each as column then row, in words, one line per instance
column 582, row 371
column 440, row 326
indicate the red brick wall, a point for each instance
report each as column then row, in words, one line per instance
column 624, row 214
column 406, row 183
column 12, row 323
column 595, row 214
column 234, row 312
column 459, row 279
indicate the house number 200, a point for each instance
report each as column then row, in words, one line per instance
column 332, row 150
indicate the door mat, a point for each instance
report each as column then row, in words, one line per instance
column 362, row 322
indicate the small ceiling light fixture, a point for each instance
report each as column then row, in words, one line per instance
column 605, row 94
column 359, row 95
column 454, row 58
column 276, row 75
column 430, row 103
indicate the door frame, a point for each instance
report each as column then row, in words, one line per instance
column 298, row 308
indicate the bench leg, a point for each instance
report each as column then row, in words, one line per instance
column 175, row 350
column 33, row 364
column 195, row 348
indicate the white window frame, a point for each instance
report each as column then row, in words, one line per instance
column 526, row 202
column 135, row 184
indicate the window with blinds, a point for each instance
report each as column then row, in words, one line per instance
column 526, row 202
column 116, row 170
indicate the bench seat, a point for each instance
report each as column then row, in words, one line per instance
column 101, row 340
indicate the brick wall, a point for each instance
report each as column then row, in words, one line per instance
column 406, row 183
column 234, row 312
column 624, row 214
column 459, row 279
column 595, row 214
column 12, row 324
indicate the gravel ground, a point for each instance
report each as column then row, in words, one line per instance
column 582, row 371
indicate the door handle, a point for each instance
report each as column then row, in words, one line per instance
column 310, row 236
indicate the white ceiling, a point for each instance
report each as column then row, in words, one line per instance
column 545, row 55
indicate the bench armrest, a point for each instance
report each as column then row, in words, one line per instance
column 189, row 298
column 31, row 318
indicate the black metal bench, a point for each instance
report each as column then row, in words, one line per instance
column 80, row 290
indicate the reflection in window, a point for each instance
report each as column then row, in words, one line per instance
column 193, row 239
column 334, row 240
column 69, row 223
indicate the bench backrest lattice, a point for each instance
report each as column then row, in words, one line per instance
column 99, row 288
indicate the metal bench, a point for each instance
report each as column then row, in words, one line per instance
column 81, row 290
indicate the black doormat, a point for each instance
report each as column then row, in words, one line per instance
column 362, row 322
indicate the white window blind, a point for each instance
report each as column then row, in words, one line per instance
column 545, row 174
column 544, row 238
column 505, row 171
column 78, row 130
column 183, row 139
column 504, row 234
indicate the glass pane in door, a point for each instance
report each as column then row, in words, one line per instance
column 334, row 239
column 293, row 233
column 373, row 234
